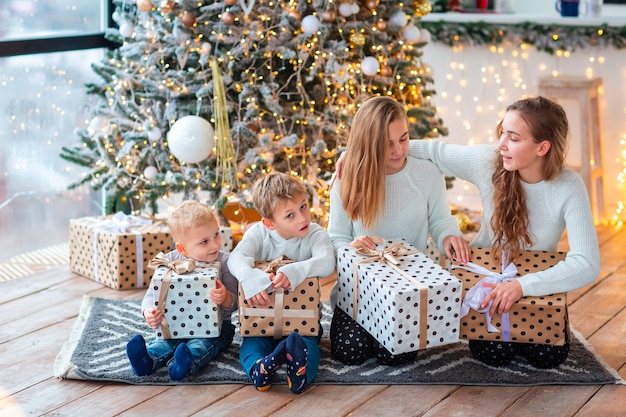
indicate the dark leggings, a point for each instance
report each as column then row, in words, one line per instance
column 351, row 344
column 501, row 353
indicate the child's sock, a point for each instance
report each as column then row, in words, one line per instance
column 263, row 370
column 140, row 360
column 296, row 363
column 182, row 362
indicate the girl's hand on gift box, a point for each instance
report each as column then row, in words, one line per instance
column 363, row 242
column 457, row 248
column 503, row 296
column 262, row 299
column 280, row 280
column 153, row 317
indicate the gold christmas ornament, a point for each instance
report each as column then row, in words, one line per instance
column 371, row 4
column 188, row 19
column 381, row 25
column 224, row 148
column 144, row 5
column 295, row 14
column 357, row 39
column 386, row 71
column 228, row 18
column 422, row 7
column 230, row 2
column 329, row 16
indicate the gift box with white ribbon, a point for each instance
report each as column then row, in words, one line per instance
column 115, row 250
column 541, row 320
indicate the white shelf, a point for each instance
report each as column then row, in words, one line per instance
column 512, row 18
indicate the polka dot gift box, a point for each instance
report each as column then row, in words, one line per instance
column 115, row 250
column 297, row 310
column 404, row 299
column 184, row 298
column 542, row 320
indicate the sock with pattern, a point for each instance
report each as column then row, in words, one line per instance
column 263, row 370
column 296, row 363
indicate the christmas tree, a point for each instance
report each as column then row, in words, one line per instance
column 205, row 97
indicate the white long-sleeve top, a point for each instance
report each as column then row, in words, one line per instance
column 554, row 206
column 415, row 205
column 312, row 255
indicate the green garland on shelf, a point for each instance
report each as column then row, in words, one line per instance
column 549, row 38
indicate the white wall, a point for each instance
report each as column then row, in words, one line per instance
column 475, row 84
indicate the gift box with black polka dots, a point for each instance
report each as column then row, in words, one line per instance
column 539, row 320
column 187, row 307
column 416, row 309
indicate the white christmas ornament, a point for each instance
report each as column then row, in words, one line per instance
column 370, row 65
column 355, row 8
column 126, row 29
column 425, row 36
column 150, row 172
column 411, row 34
column 205, row 48
column 191, row 139
column 154, row 134
column 398, row 19
column 310, row 24
column 345, row 9
column 98, row 124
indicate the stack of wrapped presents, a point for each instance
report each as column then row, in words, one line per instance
column 404, row 298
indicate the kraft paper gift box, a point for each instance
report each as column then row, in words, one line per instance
column 115, row 250
column 296, row 310
column 404, row 299
column 183, row 289
column 541, row 320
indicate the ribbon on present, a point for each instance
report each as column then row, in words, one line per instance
column 121, row 222
column 476, row 295
column 278, row 312
column 179, row 266
column 389, row 256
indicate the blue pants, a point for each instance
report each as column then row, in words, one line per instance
column 203, row 350
column 255, row 348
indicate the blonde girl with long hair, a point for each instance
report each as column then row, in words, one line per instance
column 384, row 192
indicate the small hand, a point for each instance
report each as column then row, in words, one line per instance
column 503, row 296
column 280, row 280
column 261, row 299
column 363, row 242
column 218, row 294
column 457, row 248
column 153, row 317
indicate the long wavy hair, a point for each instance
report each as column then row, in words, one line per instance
column 362, row 187
column 510, row 222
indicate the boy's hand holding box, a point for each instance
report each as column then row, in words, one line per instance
column 541, row 320
column 288, row 311
column 115, row 250
column 183, row 290
column 404, row 299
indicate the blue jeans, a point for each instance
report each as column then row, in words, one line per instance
column 255, row 348
column 203, row 350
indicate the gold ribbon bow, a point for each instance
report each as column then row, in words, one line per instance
column 276, row 263
column 389, row 255
column 179, row 266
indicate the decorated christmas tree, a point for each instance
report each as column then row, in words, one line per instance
column 201, row 98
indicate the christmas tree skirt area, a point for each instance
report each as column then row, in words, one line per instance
column 96, row 351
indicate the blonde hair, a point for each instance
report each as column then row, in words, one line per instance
column 189, row 215
column 271, row 189
column 547, row 122
column 363, row 180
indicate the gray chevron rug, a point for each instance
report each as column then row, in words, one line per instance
column 96, row 351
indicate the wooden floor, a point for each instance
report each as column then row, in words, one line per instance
column 38, row 312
